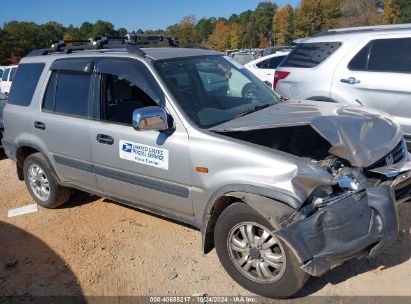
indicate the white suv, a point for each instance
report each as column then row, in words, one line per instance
column 264, row 68
column 368, row 66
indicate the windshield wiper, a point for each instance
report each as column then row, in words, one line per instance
column 252, row 110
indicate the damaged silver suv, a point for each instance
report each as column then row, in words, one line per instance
column 282, row 189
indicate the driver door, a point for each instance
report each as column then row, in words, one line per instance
column 147, row 167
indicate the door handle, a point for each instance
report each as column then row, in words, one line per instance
column 40, row 125
column 350, row 80
column 105, row 139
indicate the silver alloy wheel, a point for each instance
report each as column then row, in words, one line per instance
column 39, row 183
column 256, row 252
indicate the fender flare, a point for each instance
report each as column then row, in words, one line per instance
column 35, row 147
column 277, row 207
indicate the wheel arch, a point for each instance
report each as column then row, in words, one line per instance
column 23, row 150
column 276, row 207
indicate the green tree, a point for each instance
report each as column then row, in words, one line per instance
column 404, row 9
column 204, row 28
column 263, row 19
column 121, row 32
column 86, row 30
column 18, row 39
column 184, row 30
column 73, row 32
column 103, row 29
column 233, row 19
column 48, row 32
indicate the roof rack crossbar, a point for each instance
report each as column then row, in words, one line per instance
column 130, row 42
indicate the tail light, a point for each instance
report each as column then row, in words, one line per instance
column 278, row 76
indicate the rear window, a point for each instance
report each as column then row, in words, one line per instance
column 309, row 55
column 25, row 83
column 68, row 93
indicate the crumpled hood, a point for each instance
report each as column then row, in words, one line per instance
column 359, row 135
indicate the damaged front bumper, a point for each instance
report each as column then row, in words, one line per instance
column 362, row 223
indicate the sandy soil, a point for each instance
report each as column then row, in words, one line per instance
column 93, row 246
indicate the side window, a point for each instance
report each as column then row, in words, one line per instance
column 360, row 61
column 120, row 98
column 48, row 103
column 5, row 75
column 275, row 61
column 68, row 93
column 263, row 64
column 12, row 72
column 390, row 55
column 127, row 84
column 1, row 74
column 25, row 83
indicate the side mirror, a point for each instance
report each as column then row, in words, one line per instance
column 150, row 119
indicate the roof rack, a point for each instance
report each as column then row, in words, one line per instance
column 131, row 42
column 362, row 29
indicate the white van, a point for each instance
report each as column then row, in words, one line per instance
column 7, row 78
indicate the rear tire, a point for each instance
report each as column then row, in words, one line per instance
column 42, row 182
column 275, row 271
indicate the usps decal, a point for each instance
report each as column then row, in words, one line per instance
column 143, row 154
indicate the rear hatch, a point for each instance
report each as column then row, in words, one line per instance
column 294, row 72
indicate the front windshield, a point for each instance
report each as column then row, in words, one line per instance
column 214, row 89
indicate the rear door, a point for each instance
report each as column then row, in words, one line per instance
column 379, row 76
column 64, row 121
column 147, row 167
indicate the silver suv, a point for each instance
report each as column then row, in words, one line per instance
column 366, row 66
column 283, row 190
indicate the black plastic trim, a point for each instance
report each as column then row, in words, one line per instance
column 82, row 65
column 141, row 181
column 74, row 163
column 130, row 178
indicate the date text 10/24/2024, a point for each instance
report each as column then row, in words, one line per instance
column 203, row 299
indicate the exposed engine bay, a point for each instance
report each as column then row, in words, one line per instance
column 352, row 216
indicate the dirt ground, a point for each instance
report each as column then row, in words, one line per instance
column 93, row 246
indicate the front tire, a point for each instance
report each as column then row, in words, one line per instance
column 253, row 256
column 42, row 183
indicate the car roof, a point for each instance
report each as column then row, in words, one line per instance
column 276, row 54
column 9, row 67
column 169, row 53
column 356, row 33
column 159, row 53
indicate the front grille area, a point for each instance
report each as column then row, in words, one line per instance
column 396, row 155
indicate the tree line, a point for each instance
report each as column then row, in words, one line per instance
column 267, row 25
